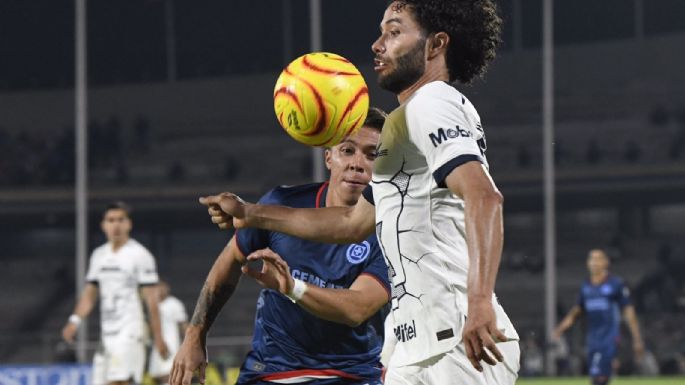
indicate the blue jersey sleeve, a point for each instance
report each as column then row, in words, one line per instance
column 581, row 298
column 249, row 240
column 377, row 268
column 623, row 293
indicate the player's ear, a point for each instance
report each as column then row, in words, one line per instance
column 327, row 154
column 437, row 44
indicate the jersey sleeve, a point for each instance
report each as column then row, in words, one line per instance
column 147, row 269
column 377, row 268
column 367, row 193
column 623, row 294
column 249, row 240
column 447, row 132
column 581, row 299
column 93, row 269
column 182, row 316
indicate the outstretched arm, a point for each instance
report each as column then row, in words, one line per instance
column 218, row 288
column 330, row 224
column 82, row 309
column 484, row 238
column 350, row 306
column 568, row 321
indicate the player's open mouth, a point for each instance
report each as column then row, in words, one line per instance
column 378, row 65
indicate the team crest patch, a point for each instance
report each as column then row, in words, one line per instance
column 358, row 252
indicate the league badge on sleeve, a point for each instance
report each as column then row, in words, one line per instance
column 358, row 252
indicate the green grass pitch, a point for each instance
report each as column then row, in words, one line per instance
column 615, row 381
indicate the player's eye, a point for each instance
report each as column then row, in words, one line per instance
column 394, row 32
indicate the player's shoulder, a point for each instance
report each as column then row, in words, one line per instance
column 616, row 280
column 433, row 93
column 442, row 97
column 99, row 251
column 135, row 246
column 296, row 195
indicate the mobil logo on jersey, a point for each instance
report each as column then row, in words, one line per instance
column 442, row 134
column 358, row 252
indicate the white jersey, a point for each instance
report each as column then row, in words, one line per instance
column 118, row 276
column 420, row 223
column 172, row 313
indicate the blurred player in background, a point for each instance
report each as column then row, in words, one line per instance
column 174, row 320
column 119, row 271
column 318, row 319
column 602, row 299
column 438, row 214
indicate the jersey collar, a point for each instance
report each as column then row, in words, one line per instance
column 321, row 195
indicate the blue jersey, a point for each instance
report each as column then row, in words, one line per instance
column 288, row 341
column 602, row 305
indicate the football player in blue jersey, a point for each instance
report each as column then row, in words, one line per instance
column 318, row 320
column 602, row 299
column 433, row 204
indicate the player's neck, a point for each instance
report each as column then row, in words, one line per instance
column 116, row 245
column 599, row 278
column 433, row 73
column 333, row 199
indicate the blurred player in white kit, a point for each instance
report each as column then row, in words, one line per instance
column 119, row 272
column 174, row 320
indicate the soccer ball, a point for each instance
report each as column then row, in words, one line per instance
column 320, row 98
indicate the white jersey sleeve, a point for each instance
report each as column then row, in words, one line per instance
column 445, row 128
column 147, row 269
column 180, row 314
column 92, row 276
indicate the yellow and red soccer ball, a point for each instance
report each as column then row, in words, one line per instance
column 320, row 98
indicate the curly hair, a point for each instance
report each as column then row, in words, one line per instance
column 473, row 27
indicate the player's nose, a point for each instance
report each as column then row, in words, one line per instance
column 357, row 162
column 377, row 46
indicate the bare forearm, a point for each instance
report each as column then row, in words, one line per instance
column 484, row 236
column 633, row 324
column 217, row 289
column 153, row 310
column 337, row 305
column 569, row 320
column 565, row 324
column 329, row 225
column 87, row 301
column 210, row 302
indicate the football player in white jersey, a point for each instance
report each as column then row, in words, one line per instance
column 119, row 271
column 174, row 321
column 438, row 213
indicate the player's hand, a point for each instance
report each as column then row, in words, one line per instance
column 275, row 273
column 638, row 350
column 481, row 334
column 191, row 358
column 69, row 332
column 162, row 348
column 227, row 210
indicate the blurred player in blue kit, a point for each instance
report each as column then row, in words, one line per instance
column 318, row 318
column 602, row 299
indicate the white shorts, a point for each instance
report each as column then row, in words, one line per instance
column 454, row 367
column 158, row 366
column 121, row 359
